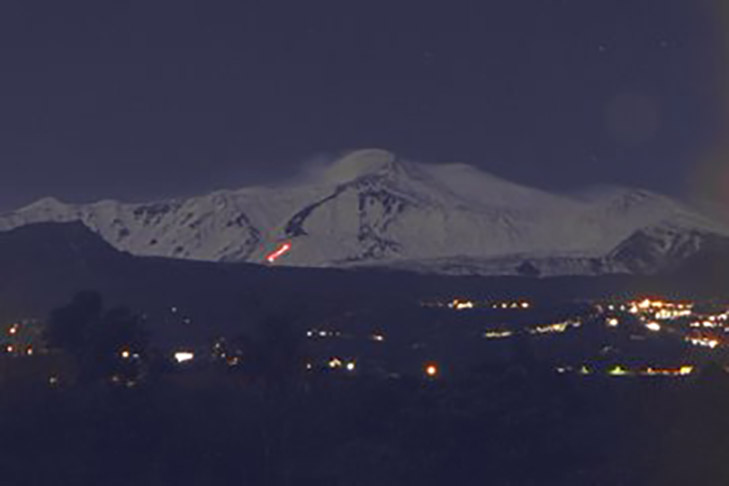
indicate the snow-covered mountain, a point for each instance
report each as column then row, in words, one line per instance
column 371, row 208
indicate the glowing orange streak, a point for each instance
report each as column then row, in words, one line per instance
column 272, row 257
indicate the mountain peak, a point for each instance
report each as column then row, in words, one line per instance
column 360, row 163
column 371, row 206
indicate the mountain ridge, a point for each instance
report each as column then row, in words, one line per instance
column 372, row 208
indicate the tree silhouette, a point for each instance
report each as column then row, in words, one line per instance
column 274, row 354
column 69, row 326
column 273, row 359
column 103, row 343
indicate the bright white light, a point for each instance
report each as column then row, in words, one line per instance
column 653, row 326
column 351, row 366
column 613, row 322
column 183, row 356
column 497, row 334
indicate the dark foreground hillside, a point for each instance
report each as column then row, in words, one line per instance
column 503, row 426
column 79, row 412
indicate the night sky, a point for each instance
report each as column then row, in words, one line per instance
column 141, row 100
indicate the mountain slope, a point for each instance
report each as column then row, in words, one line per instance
column 45, row 264
column 371, row 208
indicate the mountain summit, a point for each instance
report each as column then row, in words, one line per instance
column 360, row 163
column 372, row 208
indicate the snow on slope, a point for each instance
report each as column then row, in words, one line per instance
column 369, row 207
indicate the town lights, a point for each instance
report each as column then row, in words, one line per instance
column 461, row 304
column 497, row 334
column 686, row 370
column 521, row 304
column 618, row 371
column 707, row 342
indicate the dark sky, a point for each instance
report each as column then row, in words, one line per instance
column 148, row 99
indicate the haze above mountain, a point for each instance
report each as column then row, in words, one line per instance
column 372, row 208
